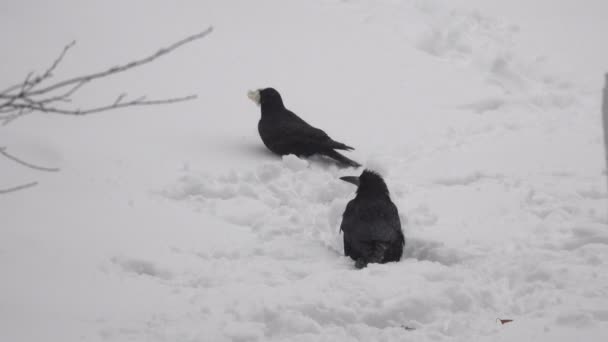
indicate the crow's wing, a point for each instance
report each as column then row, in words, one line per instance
column 288, row 115
column 369, row 223
column 300, row 131
column 349, row 218
column 382, row 221
column 355, row 245
column 301, row 137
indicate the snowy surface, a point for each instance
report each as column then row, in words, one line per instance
column 174, row 223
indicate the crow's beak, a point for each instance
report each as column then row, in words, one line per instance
column 254, row 95
column 351, row 179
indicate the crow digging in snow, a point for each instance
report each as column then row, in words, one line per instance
column 371, row 225
column 283, row 132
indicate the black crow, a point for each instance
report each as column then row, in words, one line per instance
column 371, row 225
column 283, row 132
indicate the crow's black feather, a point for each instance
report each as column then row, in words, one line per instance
column 283, row 132
column 371, row 224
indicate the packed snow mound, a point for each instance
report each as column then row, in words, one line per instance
column 446, row 285
column 290, row 199
column 304, row 203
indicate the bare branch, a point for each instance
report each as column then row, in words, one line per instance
column 49, row 71
column 120, row 98
column 23, row 98
column 137, row 102
column 26, row 82
column 6, row 108
column 24, row 163
column 19, row 95
column 47, row 74
column 127, row 66
column 5, row 93
column 7, row 119
column 66, row 96
column 17, row 188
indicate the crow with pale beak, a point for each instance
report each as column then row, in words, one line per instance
column 283, row 132
column 371, row 224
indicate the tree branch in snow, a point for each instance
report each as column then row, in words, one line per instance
column 17, row 188
column 29, row 96
column 26, row 164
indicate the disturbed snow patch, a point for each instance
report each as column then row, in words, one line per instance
column 141, row 267
column 285, row 199
column 487, row 44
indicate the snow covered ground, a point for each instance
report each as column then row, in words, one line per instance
column 174, row 223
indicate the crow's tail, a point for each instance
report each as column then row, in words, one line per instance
column 342, row 159
column 340, row 146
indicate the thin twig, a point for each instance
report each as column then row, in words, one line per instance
column 137, row 102
column 19, row 95
column 11, row 117
column 24, row 163
column 120, row 98
column 23, row 99
column 47, row 74
column 6, row 110
column 66, row 96
column 49, row 71
column 17, row 188
column 130, row 65
column 26, row 82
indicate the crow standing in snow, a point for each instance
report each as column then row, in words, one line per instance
column 283, row 132
column 371, row 225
